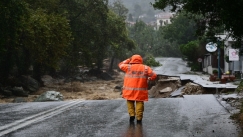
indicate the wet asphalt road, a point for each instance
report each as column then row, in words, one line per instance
column 171, row 66
column 191, row 116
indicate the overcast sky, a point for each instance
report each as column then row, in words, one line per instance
column 145, row 4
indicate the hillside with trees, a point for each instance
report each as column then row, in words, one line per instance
column 56, row 36
column 138, row 8
column 212, row 17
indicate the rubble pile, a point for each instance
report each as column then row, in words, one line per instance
column 171, row 87
column 192, row 89
column 164, row 87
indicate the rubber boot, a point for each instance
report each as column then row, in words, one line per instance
column 139, row 121
column 132, row 119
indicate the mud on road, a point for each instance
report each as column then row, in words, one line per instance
column 98, row 89
column 95, row 89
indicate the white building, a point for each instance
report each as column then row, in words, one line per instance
column 163, row 18
column 234, row 66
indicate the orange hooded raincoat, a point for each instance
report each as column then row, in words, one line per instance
column 135, row 85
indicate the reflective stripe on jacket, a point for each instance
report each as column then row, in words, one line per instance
column 135, row 85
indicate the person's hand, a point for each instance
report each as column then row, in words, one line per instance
column 149, row 79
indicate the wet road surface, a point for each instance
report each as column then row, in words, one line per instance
column 191, row 116
column 171, row 66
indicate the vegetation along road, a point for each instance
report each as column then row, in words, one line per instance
column 57, row 39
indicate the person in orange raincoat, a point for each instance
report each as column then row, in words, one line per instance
column 135, row 87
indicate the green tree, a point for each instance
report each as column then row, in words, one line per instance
column 117, row 33
column 167, row 48
column 190, row 50
column 54, row 33
column 88, row 22
column 33, row 34
column 46, row 37
column 143, row 36
column 11, row 14
column 97, row 32
column 150, row 61
column 150, row 41
column 119, row 9
column 182, row 29
column 214, row 15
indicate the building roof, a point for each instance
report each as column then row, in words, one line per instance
column 164, row 15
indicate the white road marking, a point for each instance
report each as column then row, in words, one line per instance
column 35, row 118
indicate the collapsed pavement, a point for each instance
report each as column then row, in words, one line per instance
column 163, row 87
column 175, row 87
column 166, row 87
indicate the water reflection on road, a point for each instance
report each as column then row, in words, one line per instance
column 134, row 130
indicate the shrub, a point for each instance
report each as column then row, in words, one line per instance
column 194, row 66
column 215, row 71
column 150, row 61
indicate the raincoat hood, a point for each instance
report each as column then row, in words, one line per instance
column 136, row 59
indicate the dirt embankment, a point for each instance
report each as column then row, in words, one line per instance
column 98, row 89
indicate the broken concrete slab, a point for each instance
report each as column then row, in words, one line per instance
column 166, row 90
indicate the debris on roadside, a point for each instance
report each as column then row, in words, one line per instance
column 192, row 89
column 171, row 87
column 164, row 87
